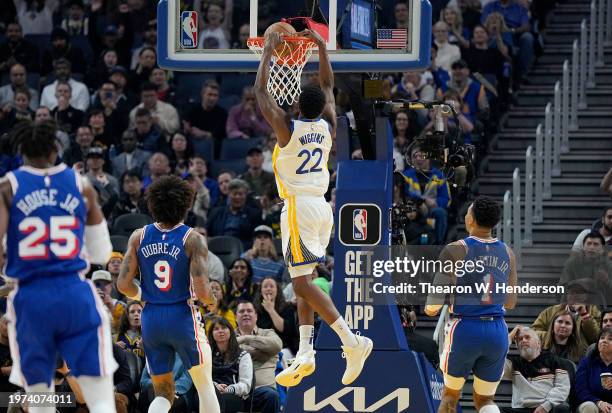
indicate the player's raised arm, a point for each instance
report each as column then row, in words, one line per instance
column 129, row 269
column 197, row 251
column 97, row 238
column 511, row 298
column 326, row 79
column 274, row 115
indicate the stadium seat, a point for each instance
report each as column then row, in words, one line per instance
column 136, row 367
column 233, row 83
column 237, row 148
column 189, row 85
column 227, row 101
column 237, row 165
column 247, row 406
column 128, row 223
column 226, row 248
column 204, row 147
column 120, row 243
column 570, row 367
column 41, row 41
column 278, row 244
column 82, row 42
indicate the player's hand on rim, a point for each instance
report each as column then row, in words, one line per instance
column 273, row 39
column 313, row 35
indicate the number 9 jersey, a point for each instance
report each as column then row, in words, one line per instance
column 47, row 220
column 300, row 167
column 164, row 265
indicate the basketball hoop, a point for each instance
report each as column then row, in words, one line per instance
column 286, row 67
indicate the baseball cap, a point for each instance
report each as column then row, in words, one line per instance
column 101, row 275
column 95, row 151
column 459, row 64
column 263, row 229
column 256, row 149
column 116, row 254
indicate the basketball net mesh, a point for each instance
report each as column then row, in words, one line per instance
column 286, row 66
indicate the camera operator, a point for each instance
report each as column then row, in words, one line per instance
column 409, row 226
column 427, row 187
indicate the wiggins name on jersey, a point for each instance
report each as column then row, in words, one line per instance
column 301, row 166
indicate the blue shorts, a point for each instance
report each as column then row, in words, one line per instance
column 475, row 346
column 169, row 329
column 54, row 316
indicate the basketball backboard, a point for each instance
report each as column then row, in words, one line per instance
column 373, row 35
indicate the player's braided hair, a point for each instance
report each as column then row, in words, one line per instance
column 311, row 102
column 486, row 211
column 34, row 140
column 169, row 198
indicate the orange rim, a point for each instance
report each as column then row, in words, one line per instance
column 301, row 46
column 260, row 41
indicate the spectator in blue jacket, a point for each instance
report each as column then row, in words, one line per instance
column 236, row 218
column 594, row 377
column 427, row 186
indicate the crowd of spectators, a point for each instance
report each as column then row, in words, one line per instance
column 564, row 360
column 124, row 122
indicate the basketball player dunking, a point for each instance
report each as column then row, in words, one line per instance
column 300, row 166
column 476, row 336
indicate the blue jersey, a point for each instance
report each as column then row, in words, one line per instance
column 487, row 281
column 164, row 266
column 46, row 224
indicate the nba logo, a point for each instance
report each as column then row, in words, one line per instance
column 360, row 224
column 189, row 32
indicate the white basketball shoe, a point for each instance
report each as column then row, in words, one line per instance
column 355, row 358
column 303, row 365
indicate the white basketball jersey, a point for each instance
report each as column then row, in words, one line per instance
column 301, row 166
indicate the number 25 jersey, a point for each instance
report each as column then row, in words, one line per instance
column 164, row 265
column 47, row 220
column 301, row 166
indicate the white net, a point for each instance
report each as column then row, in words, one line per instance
column 286, row 67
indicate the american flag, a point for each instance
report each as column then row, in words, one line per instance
column 391, row 38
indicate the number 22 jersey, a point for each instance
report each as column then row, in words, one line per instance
column 300, row 167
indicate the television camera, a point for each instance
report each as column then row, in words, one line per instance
column 444, row 145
